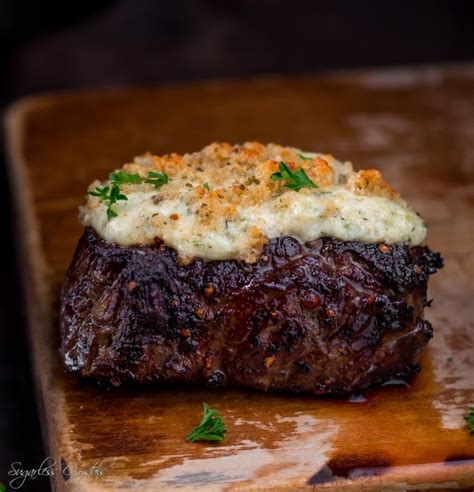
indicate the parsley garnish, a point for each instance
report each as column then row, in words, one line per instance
column 294, row 180
column 469, row 418
column 101, row 193
column 156, row 179
column 2, row 487
column 121, row 177
column 206, row 186
column 211, row 428
column 304, row 158
column 111, row 195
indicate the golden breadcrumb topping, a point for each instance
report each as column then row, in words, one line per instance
column 243, row 172
column 224, row 203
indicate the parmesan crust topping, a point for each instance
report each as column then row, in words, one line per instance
column 221, row 203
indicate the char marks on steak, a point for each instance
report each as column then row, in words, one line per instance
column 327, row 316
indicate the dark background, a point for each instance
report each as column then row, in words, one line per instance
column 47, row 45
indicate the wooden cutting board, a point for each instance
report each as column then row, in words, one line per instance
column 416, row 125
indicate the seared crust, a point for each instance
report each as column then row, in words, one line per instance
column 327, row 316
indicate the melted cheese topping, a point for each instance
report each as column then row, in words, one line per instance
column 241, row 208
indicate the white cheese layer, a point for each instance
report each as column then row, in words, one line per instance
column 174, row 214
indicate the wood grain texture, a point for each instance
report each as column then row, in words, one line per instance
column 415, row 125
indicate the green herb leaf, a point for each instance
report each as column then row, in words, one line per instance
column 121, row 177
column 211, row 428
column 110, row 196
column 469, row 418
column 206, row 186
column 111, row 213
column 115, row 194
column 294, row 180
column 304, row 158
column 156, row 179
column 101, row 193
column 2, row 487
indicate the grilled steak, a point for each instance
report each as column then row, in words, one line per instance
column 326, row 316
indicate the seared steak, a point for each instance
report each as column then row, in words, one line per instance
column 327, row 316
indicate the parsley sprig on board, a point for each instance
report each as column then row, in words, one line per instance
column 469, row 418
column 211, row 428
column 294, row 180
column 110, row 195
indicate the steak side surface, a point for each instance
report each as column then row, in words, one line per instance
column 325, row 317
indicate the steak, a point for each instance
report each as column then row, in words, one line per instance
column 327, row 316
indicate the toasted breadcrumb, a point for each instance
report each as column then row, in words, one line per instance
column 243, row 172
column 215, row 183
